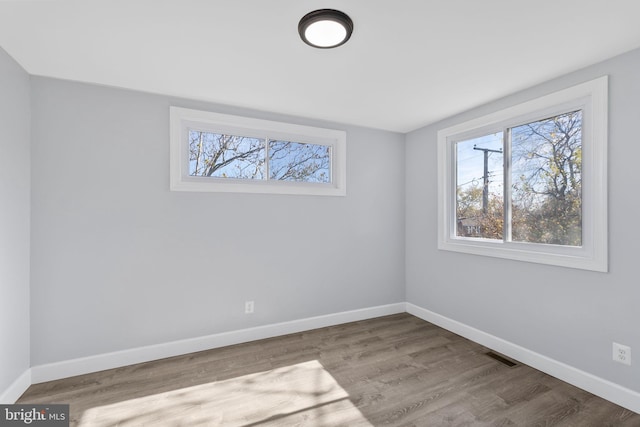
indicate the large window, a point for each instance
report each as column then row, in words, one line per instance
column 218, row 152
column 529, row 182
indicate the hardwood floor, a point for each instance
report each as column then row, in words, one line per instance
column 395, row 370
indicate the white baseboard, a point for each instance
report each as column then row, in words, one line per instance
column 84, row 365
column 15, row 390
column 622, row 396
column 615, row 393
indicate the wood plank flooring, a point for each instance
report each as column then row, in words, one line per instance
column 391, row 371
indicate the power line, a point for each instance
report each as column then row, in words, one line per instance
column 492, row 174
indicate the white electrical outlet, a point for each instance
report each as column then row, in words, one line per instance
column 248, row 307
column 622, row 353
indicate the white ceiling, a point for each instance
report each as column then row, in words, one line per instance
column 409, row 62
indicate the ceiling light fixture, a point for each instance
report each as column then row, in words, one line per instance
column 325, row 28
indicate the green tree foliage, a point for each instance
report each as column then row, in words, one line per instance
column 470, row 214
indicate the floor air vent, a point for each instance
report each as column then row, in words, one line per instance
column 501, row 359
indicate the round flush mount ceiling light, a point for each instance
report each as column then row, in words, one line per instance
column 325, row 28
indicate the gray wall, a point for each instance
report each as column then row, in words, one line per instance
column 572, row 316
column 119, row 261
column 14, row 220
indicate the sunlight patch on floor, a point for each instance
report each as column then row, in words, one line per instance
column 301, row 394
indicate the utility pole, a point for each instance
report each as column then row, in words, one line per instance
column 485, row 177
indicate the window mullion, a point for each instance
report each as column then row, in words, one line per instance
column 266, row 158
column 506, row 193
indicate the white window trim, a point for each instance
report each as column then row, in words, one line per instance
column 592, row 98
column 183, row 119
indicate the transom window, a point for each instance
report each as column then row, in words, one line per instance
column 231, row 156
column 529, row 182
column 216, row 152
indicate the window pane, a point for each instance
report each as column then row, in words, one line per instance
column 546, row 180
column 294, row 161
column 225, row 156
column 479, row 187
